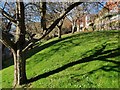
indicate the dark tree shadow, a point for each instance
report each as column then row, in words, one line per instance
column 36, row 49
column 97, row 55
column 106, row 68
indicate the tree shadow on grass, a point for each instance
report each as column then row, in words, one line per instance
column 36, row 49
column 106, row 68
column 99, row 54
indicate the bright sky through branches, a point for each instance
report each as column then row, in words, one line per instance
column 58, row 0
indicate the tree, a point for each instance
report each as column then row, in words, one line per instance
column 59, row 26
column 54, row 9
column 76, row 16
column 60, row 8
column 19, row 45
column 43, row 15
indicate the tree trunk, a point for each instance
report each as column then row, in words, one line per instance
column 43, row 15
column 19, row 59
column 59, row 26
column 59, row 31
column 78, row 27
column 73, row 27
column 19, row 68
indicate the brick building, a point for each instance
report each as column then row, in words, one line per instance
column 108, row 17
column 83, row 22
column 112, row 5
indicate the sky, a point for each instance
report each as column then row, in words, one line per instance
column 37, row 18
column 1, row 4
column 58, row 0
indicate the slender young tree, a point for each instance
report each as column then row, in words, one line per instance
column 59, row 26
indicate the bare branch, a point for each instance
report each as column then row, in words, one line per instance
column 103, row 5
column 54, row 24
column 31, row 4
column 58, row 19
column 9, row 17
column 6, row 41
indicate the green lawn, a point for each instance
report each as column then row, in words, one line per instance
column 82, row 60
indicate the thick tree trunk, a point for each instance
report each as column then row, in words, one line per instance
column 19, row 59
column 19, row 68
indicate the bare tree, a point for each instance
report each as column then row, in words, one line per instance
column 19, row 45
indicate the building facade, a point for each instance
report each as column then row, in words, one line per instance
column 108, row 17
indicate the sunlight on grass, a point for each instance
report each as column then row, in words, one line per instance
column 83, row 60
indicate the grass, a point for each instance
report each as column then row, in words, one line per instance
column 82, row 60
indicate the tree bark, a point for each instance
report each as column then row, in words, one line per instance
column 19, row 58
column 19, row 68
column 78, row 27
column 59, row 31
column 73, row 27
column 59, row 26
column 43, row 15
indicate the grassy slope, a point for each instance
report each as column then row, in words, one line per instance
column 86, row 60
